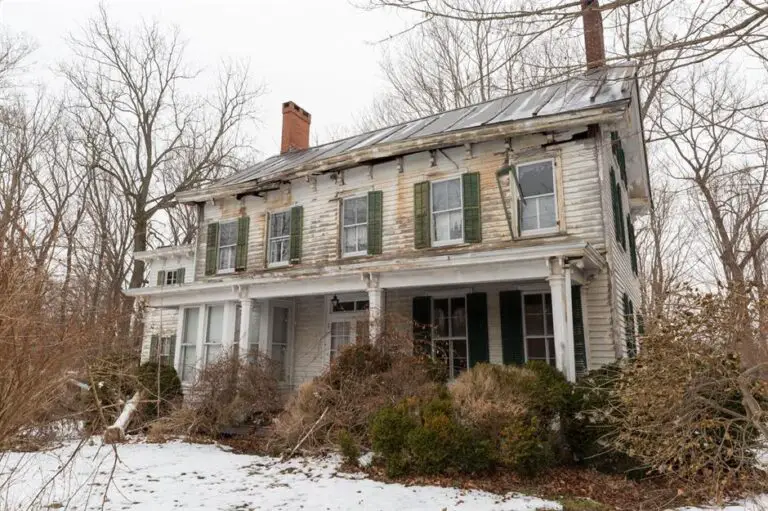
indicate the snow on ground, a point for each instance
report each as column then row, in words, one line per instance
column 193, row 476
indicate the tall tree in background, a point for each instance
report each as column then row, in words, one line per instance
column 146, row 130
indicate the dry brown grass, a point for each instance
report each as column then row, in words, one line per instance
column 229, row 393
column 489, row 396
column 360, row 381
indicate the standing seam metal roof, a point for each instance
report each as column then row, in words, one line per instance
column 595, row 88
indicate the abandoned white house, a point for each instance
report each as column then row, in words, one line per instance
column 505, row 228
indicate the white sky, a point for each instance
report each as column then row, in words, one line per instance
column 318, row 53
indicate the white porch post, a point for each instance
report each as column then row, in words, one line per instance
column 570, row 345
column 228, row 328
column 245, row 325
column 265, row 313
column 561, row 318
column 375, row 308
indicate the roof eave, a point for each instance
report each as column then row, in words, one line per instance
column 605, row 112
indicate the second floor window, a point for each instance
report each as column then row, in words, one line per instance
column 279, row 238
column 538, row 204
column 227, row 246
column 447, row 212
column 355, row 226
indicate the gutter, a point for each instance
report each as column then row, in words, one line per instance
column 350, row 159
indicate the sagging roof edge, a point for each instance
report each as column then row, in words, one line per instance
column 361, row 156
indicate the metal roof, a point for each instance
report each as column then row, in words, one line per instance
column 595, row 88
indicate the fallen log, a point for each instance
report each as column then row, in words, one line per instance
column 116, row 432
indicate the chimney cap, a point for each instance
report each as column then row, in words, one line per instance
column 289, row 106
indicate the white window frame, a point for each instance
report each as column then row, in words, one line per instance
column 546, row 335
column 344, row 231
column 434, row 338
column 171, row 277
column 290, row 333
column 354, row 317
column 220, row 246
column 164, row 351
column 444, row 243
column 277, row 264
column 520, row 198
column 206, row 340
column 185, row 343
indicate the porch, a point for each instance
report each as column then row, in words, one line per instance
column 485, row 311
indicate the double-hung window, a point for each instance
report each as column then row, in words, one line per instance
column 538, row 201
column 447, row 212
column 279, row 238
column 538, row 327
column 355, row 226
column 214, row 333
column 188, row 358
column 227, row 246
column 449, row 340
column 171, row 278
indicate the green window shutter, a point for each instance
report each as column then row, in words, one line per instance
column 477, row 328
column 180, row 273
column 579, row 336
column 154, row 356
column 615, row 204
column 471, row 191
column 629, row 326
column 621, row 229
column 297, row 224
column 241, row 252
column 375, row 221
column 171, row 350
column 640, row 324
column 632, row 244
column 161, row 278
column 212, row 249
column 618, row 152
column 511, row 315
column 421, row 212
column 422, row 325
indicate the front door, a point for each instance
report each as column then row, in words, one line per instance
column 281, row 339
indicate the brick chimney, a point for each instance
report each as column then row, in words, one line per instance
column 593, row 33
column 295, row 128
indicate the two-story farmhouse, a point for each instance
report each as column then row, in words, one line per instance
column 500, row 232
column 505, row 228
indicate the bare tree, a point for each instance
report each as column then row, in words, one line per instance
column 148, row 133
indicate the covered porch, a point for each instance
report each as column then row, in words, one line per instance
column 462, row 309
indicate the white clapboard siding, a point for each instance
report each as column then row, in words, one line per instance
column 320, row 198
column 157, row 321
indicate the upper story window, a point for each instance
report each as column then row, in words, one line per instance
column 355, row 226
column 538, row 204
column 279, row 238
column 227, row 246
column 170, row 277
column 447, row 212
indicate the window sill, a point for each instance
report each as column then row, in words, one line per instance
column 225, row 271
column 280, row 264
column 450, row 243
column 539, row 233
column 350, row 255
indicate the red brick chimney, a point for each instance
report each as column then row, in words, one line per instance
column 593, row 33
column 295, row 128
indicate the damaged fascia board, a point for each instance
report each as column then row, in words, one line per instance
column 475, row 135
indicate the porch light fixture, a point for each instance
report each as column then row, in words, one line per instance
column 335, row 303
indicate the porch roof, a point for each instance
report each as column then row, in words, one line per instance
column 509, row 264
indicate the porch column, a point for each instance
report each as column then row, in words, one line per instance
column 264, row 313
column 560, row 318
column 228, row 328
column 245, row 325
column 375, row 308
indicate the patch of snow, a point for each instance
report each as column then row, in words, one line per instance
column 206, row 477
column 759, row 503
column 365, row 460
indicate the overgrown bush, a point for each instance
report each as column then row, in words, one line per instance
column 427, row 439
column 161, row 387
column 515, row 408
column 229, row 393
column 349, row 448
column 113, row 380
column 589, row 426
column 361, row 380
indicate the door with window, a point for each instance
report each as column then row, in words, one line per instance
column 538, row 328
column 281, row 339
column 449, row 339
column 348, row 322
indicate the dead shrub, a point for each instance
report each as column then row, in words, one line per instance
column 342, row 401
column 229, row 393
column 687, row 408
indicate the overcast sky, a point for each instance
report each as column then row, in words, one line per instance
column 318, row 53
